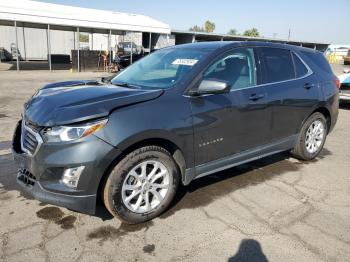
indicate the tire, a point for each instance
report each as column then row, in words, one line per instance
column 302, row 149
column 128, row 173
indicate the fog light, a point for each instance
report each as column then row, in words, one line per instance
column 71, row 176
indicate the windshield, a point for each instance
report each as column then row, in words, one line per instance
column 161, row 69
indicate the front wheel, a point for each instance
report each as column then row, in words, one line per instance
column 142, row 185
column 311, row 138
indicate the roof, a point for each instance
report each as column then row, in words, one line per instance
column 243, row 38
column 213, row 45
column 63, row 15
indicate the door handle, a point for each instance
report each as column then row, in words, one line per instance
column 308, row 86
column 255, row 97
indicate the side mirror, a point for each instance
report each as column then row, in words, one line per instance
column 213, row 86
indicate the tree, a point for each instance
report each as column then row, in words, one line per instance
column 197, row 28
column 209, row 26
column 251, row 32
column 232, row 32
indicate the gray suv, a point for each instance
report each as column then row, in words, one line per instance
column 178, row 114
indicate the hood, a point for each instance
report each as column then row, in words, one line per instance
column 71, row 83
column 67, row 104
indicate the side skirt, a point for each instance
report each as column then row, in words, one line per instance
column 239, row 158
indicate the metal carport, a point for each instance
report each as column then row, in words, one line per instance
column 48, row 16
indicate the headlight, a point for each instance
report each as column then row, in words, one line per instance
column 69, row 133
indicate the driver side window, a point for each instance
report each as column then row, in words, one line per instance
column 236, row 67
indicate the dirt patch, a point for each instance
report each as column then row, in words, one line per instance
column 67, row 222
column 149, row 249
column 56, row 215
column 50, row 213
column 3, row 115
column 105, row 233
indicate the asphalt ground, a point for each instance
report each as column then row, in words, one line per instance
column 274, row 209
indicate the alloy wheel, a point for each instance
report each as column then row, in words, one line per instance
column 315, row 135
column 146, row 186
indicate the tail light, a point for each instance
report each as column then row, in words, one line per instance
column 337, row 82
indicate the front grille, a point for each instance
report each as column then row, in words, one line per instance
column 26, row 177
column 29, row 139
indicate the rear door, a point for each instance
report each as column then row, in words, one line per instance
column 291, row 89
column 226, row 124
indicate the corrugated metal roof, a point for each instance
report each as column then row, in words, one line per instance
column 241, row 37
column 46, row 13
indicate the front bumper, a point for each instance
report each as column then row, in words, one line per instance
column 40, row 174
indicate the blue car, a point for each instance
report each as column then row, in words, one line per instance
column 344, row 92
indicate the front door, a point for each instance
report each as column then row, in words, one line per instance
column 226, row 124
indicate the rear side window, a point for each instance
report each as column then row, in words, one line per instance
column 319, row 60
column 278, row 64
column 300, row 68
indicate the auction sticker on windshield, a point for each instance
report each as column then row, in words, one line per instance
column 183, row 61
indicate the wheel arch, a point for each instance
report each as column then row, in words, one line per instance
column 167, row 144
column 326, row 113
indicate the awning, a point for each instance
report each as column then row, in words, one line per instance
column 68, row 16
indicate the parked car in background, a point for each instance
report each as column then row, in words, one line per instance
column 125, row 60
column 178, row 114
column 124, row 48
column 344, row 92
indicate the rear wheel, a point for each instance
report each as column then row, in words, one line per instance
column 142, row 185
column 311, row 138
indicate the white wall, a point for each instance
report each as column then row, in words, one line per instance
column 100, row 41
column 35, row 45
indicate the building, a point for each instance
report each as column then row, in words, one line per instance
column 31, row 30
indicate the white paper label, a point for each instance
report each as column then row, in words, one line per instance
column 183, row 61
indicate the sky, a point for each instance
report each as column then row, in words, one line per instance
column 307, row 20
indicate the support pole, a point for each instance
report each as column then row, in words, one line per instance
column 193, row 38
column 131, row 52
column 110, row 46
column 150, row 42
column 92, row 41
column 49, row 46
column 24, row 44
column 16, row 46
column 78, row 44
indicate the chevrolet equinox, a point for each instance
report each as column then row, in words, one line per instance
column 178, row 114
